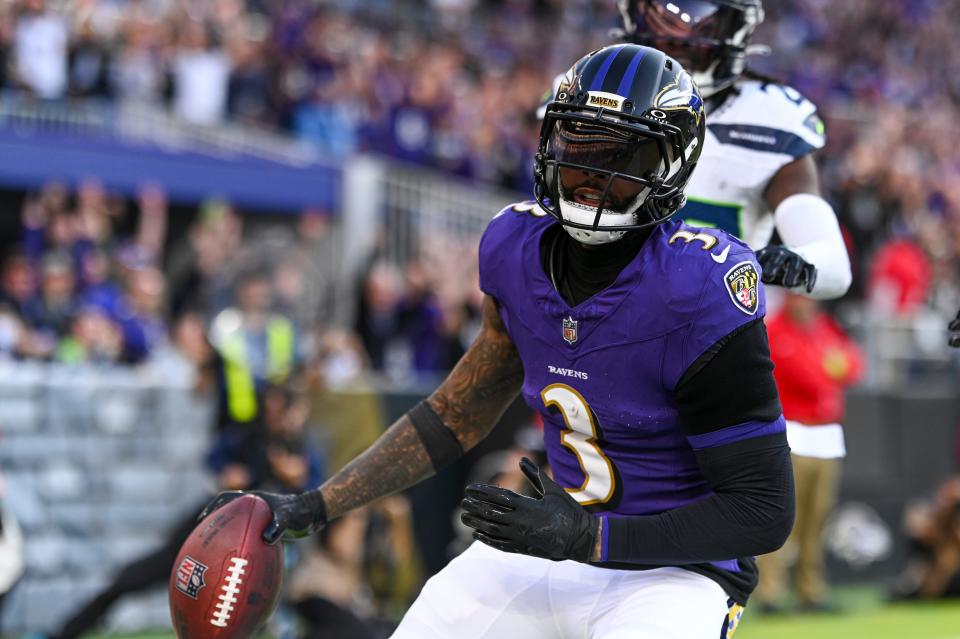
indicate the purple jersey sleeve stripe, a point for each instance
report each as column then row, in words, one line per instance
column 736, row 433
column 731, row 565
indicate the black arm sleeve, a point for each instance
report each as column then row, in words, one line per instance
column 752, row 507
column 750, row 513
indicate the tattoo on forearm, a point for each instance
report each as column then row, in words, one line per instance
column 470, row 402
column 395, row 461
column 482, row 385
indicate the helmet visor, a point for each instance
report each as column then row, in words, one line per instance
column 688, row 30
column 682, row 18
column 593, row 160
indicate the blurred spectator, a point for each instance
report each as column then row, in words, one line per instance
column 152, row 229
column 93, row 338
column 190, row 340
column 46, row 222
column 338, row 361
column 142, row 316
column 415, row 323
column 41, row 50
column 52, row 311
column 422, row 321
column 274, row 454
column 137, row 71
column 378, row 320
column 899, row 279
column 93, row 216
column 199, row 266
column 201, row 73
column 13, row 334
column 257, row 345
column 18, row 307
column 361, row 573
column 815, row 361
column 98, row 282
column 933, row 532
column 88, row 63
column 17, row 282
column 334, row 582
column 250, row 82
column 308, row 258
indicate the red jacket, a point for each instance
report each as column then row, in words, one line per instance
column 901, row 270
column 813, row 365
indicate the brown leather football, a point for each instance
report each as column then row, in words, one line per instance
column 226, row 579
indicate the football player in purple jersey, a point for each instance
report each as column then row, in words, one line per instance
column 640, row 341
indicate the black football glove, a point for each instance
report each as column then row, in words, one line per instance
column 553, row 526
column 294, row 516
column 954, row 328
column 783, row 267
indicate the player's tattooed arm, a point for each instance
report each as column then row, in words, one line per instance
column 469, row 402
column 482, row 384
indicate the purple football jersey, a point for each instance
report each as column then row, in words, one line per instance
column 603, row 374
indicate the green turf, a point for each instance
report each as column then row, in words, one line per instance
column 862, row 616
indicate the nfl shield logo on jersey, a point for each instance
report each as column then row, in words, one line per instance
column 190, row 576
column 570, row 330
column 741, row 281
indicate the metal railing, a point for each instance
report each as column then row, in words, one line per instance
column 151, row 124
column 421, row 206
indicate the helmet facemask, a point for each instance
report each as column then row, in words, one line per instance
column 604, row 174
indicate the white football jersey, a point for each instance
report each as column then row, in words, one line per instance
column 757, row 129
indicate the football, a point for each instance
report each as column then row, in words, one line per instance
column 226, row 579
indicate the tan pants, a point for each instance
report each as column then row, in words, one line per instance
column 816, row 485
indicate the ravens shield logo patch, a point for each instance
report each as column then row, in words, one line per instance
column 742, row 285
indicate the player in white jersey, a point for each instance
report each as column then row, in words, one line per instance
column 756, row 172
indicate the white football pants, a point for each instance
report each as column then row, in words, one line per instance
column 488, row 594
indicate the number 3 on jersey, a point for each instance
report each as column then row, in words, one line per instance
column 580, row 436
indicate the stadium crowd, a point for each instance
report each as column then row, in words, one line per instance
column 454, row 85
column 447, row 84
column 93, row 278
